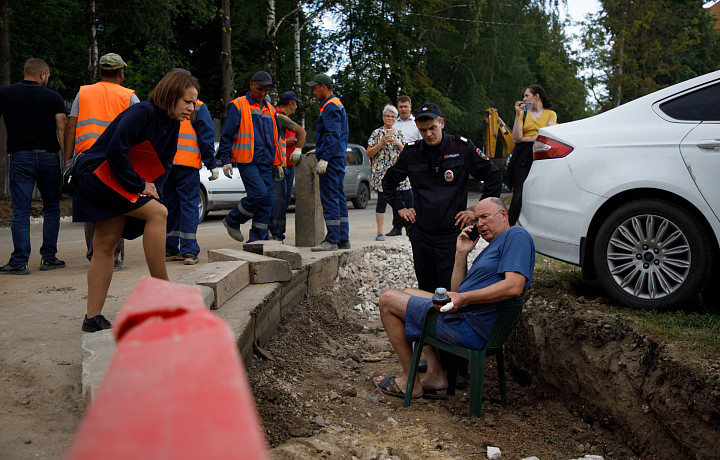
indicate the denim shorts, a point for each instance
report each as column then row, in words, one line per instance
column 450, row 327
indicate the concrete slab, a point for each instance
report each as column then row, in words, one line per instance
column 277, row 250
column 225, row 278
column 262, row 269
column 98, row 349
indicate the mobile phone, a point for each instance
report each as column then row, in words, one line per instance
column 526, row 105
column 474, row 233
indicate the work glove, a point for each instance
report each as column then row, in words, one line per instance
column 214, row 174
column 321, row 167
column 227, row 170
column 279, row 173
column 295, row 157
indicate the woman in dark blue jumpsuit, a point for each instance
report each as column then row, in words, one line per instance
column 156, row 120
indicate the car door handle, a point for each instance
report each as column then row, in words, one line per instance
column 709, row 144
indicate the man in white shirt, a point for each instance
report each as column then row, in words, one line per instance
column 405, row 123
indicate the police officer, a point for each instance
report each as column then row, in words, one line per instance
column 250, row 138
column 438, row 167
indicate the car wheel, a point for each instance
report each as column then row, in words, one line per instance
column 652, row 254
column 202, row 206
column 363, row 196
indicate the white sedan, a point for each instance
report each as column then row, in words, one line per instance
column 633, row 195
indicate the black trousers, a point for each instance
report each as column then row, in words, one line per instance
column 520, row 173
column 433, row 257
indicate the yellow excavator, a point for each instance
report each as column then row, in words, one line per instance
column 498, row 138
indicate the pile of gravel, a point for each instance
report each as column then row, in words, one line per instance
column 388, row 265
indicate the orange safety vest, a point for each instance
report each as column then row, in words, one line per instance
column 188, row 149
column 243, row 147
column 99, row 104
column 283, row 143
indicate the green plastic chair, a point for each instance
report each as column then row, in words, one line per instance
column 509, row 312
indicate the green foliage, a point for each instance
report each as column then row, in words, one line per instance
column 53, row 32
column 641, row 46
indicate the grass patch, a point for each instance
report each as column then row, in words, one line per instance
column 698, row 332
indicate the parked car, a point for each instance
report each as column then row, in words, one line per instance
column 632, row 195
column 357, row 175
column 222, row 193
column 225, row 193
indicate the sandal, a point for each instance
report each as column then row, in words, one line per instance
column 389, row 386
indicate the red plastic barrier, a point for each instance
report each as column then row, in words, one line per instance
column 175, row 389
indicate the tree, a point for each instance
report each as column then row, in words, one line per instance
column 641, row 46
column 228, row 76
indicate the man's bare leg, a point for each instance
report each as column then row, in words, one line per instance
column 393, row 305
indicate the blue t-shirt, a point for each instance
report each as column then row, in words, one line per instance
column 511, row 251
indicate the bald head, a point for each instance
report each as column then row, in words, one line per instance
column 492, row 218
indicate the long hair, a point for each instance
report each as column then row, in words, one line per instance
column 540, row 91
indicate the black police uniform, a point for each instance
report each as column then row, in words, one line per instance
column 439, row 177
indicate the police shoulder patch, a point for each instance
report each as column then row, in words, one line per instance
column 481, row 154
column 411, row 143
column 464, row 139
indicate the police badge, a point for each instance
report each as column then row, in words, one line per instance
column 449, row 176
column 481, row 154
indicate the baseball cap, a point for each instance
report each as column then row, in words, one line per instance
column 111, row 61
column 428, row 109
column 288, row 96
column 321, row 79
column 262, row 78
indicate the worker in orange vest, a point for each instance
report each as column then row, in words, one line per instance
column 181, row 191
column 250, row 138
column 93, row 109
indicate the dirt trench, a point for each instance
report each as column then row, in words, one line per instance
column 582, row 382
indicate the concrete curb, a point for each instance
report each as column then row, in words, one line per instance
column 253, row 312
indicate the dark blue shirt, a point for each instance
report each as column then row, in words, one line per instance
column 29, row 111
column 332, row 132
column 265, row 141
column 139, row 123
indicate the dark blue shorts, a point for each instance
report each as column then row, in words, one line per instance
column 450, row 328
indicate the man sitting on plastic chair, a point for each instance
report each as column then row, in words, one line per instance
column 500, row 272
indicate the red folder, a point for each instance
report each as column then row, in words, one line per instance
column 144, row 161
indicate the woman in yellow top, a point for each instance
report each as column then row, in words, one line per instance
column 531, row 114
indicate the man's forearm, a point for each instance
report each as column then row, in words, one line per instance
column 459, row 271
column 511, row 287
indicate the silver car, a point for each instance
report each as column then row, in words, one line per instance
column 225, row 193
column 357, row 175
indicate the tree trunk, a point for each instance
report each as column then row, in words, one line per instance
column 91, row 30
column 298, row 75
column 271, row 48
column 228, row 76
column 4, row 81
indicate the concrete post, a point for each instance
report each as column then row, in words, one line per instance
column 309, row 221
